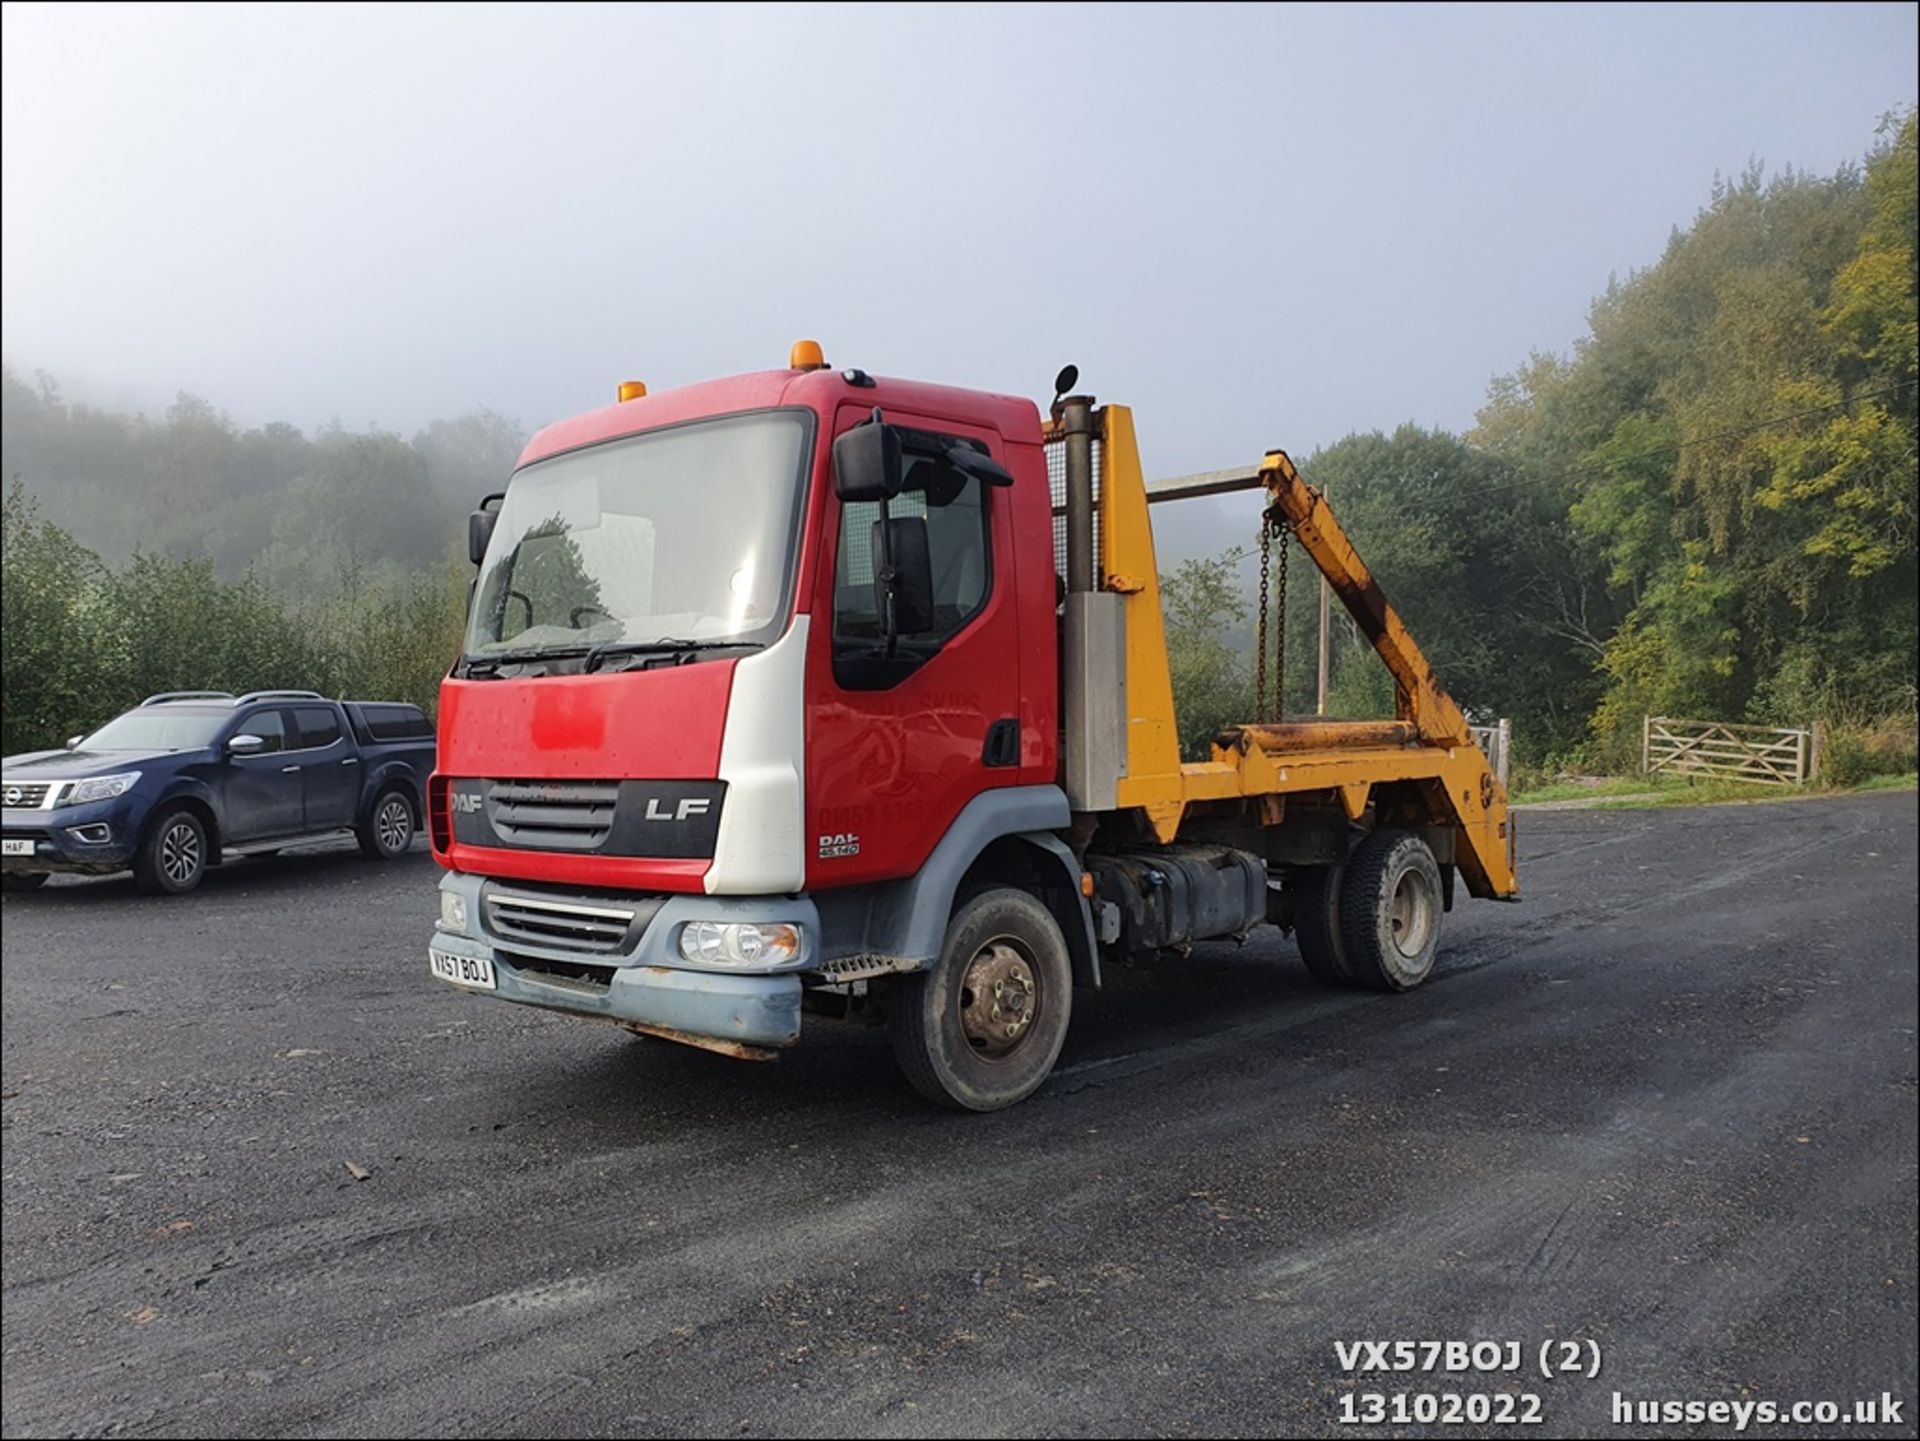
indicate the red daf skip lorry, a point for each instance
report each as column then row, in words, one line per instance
column 814, row 693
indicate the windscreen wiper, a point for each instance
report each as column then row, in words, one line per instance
column 666, row 645
column 487, row 665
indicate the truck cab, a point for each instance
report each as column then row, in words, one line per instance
column 760, row 711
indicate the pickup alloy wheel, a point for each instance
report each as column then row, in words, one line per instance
column 173, row 857
column 389, row 830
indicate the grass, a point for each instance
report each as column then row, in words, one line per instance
column 1631, row 793
column 1591, row 788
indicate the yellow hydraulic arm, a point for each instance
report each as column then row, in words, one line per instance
column 1422, row 700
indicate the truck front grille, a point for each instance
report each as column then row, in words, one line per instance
column 25, row 795
column 555, row 815
column 595, row 927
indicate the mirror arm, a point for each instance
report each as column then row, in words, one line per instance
column 889, row 580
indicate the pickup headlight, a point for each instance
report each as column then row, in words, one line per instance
column 100, row 788
column 739, row 943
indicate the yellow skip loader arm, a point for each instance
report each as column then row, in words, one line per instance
column 1424, row 766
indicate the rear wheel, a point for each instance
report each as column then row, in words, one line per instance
column 983, row 1027
column 1316, row 923
column 24, row 880
column 173, row 857
column 388, row 829
column 1390, row 909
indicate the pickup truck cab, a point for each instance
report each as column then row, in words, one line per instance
column 189, row 778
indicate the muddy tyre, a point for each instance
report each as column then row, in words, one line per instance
column 1391, row 904
column 1316, row 923
column 983, row 1027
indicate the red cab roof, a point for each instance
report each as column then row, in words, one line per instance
column 1014, row 417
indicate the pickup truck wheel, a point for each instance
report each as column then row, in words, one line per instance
column 1390, row 910
column 24, row 880
column 173, row 856
column 1316, row 924
column 983, row 1027
column 388, row 829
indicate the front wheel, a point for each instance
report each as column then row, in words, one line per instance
column 983, row 1027
column 173, row 857
column 389, row 829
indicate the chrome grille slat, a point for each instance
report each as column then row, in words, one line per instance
column 27, row 795
column 574, row 926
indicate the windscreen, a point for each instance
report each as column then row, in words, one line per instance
column 684, row 534
column 158, row 730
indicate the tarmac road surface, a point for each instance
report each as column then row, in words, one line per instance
column 1666, row 1105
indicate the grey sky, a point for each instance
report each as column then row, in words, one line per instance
column 1258, row 226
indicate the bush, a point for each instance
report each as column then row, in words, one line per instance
column 1856, row 752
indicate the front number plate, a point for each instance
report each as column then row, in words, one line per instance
column 16, row 848
column 461, row 970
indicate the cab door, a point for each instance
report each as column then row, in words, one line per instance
column 264, row 798
column 898, row 744
column 329, row 769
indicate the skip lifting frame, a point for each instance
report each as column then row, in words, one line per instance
column 1427, row 752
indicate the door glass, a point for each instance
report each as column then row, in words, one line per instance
column 953, row 505
column 269, row 726
column 319, row 726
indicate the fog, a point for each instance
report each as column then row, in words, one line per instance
column 1258, row 226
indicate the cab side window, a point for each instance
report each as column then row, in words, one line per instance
column 953, row 506
column 270, row 726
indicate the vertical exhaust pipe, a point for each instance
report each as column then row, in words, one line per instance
column 1076, row 413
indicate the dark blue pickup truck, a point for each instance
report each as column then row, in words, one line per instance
column 189, row 778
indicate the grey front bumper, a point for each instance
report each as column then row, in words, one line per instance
column 652, row 986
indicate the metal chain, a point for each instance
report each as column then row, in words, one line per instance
column 1280, row 635
column 1260, row 641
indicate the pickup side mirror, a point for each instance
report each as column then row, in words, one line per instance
column 910, row 584
column 245, row 745
column 73, row 742
column 867, row 462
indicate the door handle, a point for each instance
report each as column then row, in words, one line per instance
column 351, row 761
column 288, row 770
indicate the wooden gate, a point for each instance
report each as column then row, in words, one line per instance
column 1764, row 755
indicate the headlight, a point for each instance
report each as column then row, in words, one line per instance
column 453, row 911
column 739, row 943
column 100, row 788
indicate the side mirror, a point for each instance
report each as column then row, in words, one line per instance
column 911, row 583
column 73, row 742
column 867, row 462
column 480, row 525
column 245, row 745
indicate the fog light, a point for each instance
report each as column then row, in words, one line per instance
column 739, row 943
column 97, row 834
column 453, row 911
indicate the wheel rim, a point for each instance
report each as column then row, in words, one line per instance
column 1412, row 914
column 999, row 998
column 395, row 824
column 180, row 852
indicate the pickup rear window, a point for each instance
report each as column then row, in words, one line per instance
column 392, row 723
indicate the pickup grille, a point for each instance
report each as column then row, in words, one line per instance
column 595, row 927
column 25, row 795
column 554, row 815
